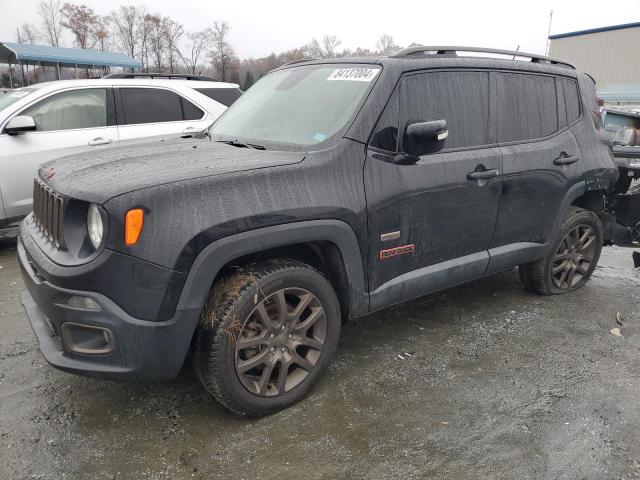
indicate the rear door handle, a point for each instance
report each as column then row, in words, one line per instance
column 565, row 159
column 483, row 175
column 100, row 141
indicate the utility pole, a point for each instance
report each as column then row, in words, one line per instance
column 546, row 53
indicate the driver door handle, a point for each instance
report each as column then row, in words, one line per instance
column 483, row 174
column 100, row 141
column 565, row 159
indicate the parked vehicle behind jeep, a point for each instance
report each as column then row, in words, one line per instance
column 53, row 119
column 331, row 189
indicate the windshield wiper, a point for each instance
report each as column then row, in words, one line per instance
column 235, row 143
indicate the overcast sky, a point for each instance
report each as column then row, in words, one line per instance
column 259, row 27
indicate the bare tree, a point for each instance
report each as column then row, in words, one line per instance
column 101, row 34
column 50, row 13
column 173, row 32
column 196, row 49
column 28, row 33
column 330, row 44
column 156, row 39
column 82, row 22
column 125, row 25
column 324, row 49
column 144, row 37
column 222, row 53
column 385, row 44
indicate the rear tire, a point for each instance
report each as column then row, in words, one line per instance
column 266, row 334
column 573, row 258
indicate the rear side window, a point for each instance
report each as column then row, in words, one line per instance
column 190, row 111
column 83, row 108
column 460, row 98
column 527, row 107
column 225, row 96
column 152, row 105
column 571, row 98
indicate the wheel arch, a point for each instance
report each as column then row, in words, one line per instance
column 330, row 246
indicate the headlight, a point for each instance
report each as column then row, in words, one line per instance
column 95, row 228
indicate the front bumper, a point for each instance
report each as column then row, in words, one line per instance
column 142, row 350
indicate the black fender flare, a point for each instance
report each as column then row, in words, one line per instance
column 575, row 191
column 215, row 256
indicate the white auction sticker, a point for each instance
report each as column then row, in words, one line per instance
column 354, row 74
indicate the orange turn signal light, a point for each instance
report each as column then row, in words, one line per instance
column 133, row 226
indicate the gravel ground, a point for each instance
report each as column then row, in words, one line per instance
column 480, row 381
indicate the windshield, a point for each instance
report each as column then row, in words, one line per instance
column 13, row 96
column 301, row 106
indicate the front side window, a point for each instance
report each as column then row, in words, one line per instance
column 302, row 106
column 86, row 108
column 460, row 98
column 527, row 106
column 154, row 105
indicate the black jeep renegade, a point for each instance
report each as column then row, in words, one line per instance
column 331, row 189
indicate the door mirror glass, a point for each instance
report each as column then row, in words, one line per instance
column 421, row 138
column 20, row 124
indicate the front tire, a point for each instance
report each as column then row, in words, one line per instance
column 265, row 336
column 573, row 258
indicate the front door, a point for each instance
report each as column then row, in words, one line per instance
column 431, row 223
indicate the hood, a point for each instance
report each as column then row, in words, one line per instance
column 97, row 176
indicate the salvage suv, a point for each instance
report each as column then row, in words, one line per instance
column 330, row 190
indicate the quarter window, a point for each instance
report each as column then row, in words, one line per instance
column 152, row 105
column 86, row 108
column 225, row 96
column 460, row 98
column 527, row 107
column 571, row 98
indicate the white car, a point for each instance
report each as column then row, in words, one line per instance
column 53, row 119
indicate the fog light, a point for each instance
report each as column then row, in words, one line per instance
column 87, row 339
column 85, row 303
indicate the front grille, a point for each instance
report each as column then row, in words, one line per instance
column 48, row 208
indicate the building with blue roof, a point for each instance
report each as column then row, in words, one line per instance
column 21, row 54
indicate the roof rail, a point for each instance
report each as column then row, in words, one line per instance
column 453, row 51
column 164, row 76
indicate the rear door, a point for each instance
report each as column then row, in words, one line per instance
column 68, row 122
column 428, row 221
column 147, row 112
column 541, row 161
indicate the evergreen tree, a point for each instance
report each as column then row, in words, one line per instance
column 248, row 80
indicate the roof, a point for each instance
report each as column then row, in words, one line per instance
column 595, row 30
column 65, row 56
column 438, row 61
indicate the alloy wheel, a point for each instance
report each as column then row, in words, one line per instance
column 574, row 257
column 280, row 342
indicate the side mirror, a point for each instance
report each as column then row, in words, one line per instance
column 20, row 124
column 421, row 138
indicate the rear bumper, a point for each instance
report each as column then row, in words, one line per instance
column 142, row 350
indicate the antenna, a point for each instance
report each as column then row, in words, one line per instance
column 546, row 52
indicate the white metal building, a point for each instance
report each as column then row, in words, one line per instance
column 608, row 54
